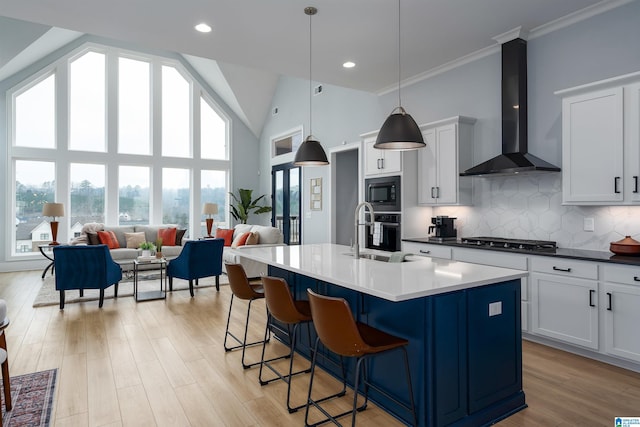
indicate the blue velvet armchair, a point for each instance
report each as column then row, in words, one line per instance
column 198, row 259
column 85, row 267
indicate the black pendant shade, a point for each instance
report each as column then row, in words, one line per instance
column 399, row 132
column 310, row 153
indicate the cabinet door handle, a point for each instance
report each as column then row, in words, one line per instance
column 422, row 251
column 433, row 194
column 636, row 278
column 438, row 192
column 609, row 301
column 378, row 163
column 616, row 180
column 382, row 163
column 566, row 270
column 591, row 292
column 635, row 183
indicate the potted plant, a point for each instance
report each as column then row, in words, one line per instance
column 146, row 247
column 244, row 205
column 159, row 247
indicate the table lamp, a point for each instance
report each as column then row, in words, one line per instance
column 54, row 210
column 210, row 209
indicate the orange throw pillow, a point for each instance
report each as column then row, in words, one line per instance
column 168, row 236
column 108, row 238
column 226, row 234
column 241, row 240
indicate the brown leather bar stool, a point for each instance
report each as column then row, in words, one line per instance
column 241, row 288
column 340, row 333
column 282, row 307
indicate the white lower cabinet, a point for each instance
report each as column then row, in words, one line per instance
column 620, row 309
column 426, row 249
column 565, row 308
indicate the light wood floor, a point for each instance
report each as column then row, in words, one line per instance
column 163, row 363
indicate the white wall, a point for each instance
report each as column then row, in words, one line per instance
column 338, row 115
column 597, row 48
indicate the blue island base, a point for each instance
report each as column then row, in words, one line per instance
column 465, row 350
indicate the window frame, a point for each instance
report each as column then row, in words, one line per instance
column 62, row 156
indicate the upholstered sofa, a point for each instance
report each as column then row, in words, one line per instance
column 124, row 255
column 267, row 236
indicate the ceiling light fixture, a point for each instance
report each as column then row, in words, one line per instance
column 349, row 64
column 399, row 131
column 310, row 152
column 203, row 28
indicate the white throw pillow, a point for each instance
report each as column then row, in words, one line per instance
column 134, row 239
column 268, row 235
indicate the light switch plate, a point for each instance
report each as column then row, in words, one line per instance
column 589, row 224
column 495, row 308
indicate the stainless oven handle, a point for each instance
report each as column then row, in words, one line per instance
column 390, row 224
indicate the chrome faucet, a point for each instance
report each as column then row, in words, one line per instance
column 356, row 247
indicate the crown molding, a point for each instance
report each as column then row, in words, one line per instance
column 555, row 25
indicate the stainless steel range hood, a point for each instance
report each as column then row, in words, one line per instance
column 514, row 158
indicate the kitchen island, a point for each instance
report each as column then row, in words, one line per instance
column 462, row 322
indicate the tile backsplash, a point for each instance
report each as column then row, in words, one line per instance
column 530, row 207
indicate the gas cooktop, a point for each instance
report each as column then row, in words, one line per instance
column 519, row 244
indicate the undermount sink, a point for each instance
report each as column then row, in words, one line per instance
column 374, row 257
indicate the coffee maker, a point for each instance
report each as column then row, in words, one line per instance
column 442, row 228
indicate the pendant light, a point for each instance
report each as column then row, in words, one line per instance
column 310, row 152
column 399, row 131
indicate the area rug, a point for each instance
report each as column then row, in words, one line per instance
column 32, row 398
column 49, row 296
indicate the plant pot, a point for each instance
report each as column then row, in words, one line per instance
column 158, row 254
column 146, row 253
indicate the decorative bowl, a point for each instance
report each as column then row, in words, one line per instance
column 626, row 246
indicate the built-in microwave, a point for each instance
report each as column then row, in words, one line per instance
column 383, row 193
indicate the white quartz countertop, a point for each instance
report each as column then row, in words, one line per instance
column 417, row 278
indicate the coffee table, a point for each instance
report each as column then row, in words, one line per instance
column 150, row 265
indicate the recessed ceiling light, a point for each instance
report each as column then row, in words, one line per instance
column 349, row 64
column 203, row 28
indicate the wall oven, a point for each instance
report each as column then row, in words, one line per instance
column 383, row 193
column 384, row 234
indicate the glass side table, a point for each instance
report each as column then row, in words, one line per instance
column 47, row 252
column 150, row 265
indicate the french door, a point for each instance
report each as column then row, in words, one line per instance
column 286, row 194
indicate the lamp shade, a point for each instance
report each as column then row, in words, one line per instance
column 53, row 209
column 399, row 132
column 210, row 209
column 310, row 153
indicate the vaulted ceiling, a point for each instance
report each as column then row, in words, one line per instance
column 253, row 42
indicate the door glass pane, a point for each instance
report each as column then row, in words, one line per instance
column 278, row 198
column 176, row 112
column 87, row 95
column 213, row 133
column 36, row 105
column 87, row 196
column 294, row 205
column 134, row 107
column 133, row 195
column 175, row 197
column 35, row 186
column 214, row 190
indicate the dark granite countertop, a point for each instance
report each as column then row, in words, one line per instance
column 579, row 254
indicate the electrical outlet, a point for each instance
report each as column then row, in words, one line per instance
column 589, row 224
column 495, row 308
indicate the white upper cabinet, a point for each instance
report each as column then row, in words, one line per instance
column 449, row 151
column 600, row 146
column 379, row 162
